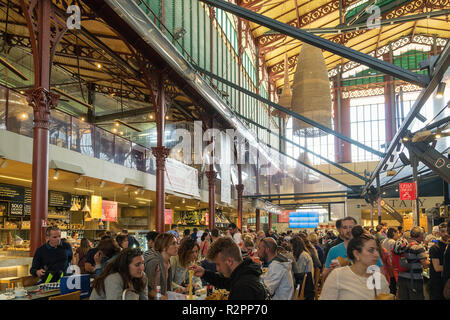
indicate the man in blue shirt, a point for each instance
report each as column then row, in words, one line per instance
column 341, row 249
column 174, row 230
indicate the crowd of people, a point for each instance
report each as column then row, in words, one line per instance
column 357, row 263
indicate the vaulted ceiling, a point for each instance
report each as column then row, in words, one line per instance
column 327, row 19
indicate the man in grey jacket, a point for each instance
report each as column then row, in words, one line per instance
column 278, row 278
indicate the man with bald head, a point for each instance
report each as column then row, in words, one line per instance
column 278, row 278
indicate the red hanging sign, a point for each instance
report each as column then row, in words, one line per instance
column 408, row 191
column 284, row 216
column 109, row 211
column 168, row 213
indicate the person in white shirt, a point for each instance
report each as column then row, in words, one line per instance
column 363, row 279
column 236, row 235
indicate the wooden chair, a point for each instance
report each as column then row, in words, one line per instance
column 69, row 296
column 301, row 295
column 317, row 276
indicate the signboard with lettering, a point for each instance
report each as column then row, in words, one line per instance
column 284, row 216
column 16, row 209
column 303, row 219
column 27, row 202
column 59, row 199
column 109, row 211
column 168, row 215
column 96, row 207
column 12, row 193
column 408, row 191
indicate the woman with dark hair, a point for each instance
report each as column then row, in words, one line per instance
column 206, row 242
column 122, row 241
column 304, row 266
column 188, row 253
column 82, row 250
column 157, row 264
column 122, row 279
column 301, row 255
column 107, row 251
column 312, row 251
column 362, row 280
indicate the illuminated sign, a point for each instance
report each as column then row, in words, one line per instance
column 305, row 219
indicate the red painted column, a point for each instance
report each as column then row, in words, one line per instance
column 240, row 191
column 160, row 152
column 258, row 220
column 211, row 175
column 42, row 101
column 270, row 220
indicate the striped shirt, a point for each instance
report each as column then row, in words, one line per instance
column 414, row 253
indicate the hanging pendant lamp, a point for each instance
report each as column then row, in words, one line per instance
column 311, row 93
column 86, row 207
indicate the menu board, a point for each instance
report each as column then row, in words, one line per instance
column 27, row 202
column 59, row 199
column 12, row 193
column 16, row 209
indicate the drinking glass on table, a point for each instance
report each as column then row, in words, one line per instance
column 9, row 293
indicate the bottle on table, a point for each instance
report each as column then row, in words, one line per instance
column 158, row 293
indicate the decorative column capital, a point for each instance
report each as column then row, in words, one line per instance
column 211, row 175
column 42, row 101
column 240, row 189
column 160, row 153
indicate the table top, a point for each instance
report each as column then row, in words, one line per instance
column 33, row 294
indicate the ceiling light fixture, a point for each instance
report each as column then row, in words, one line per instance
column 114, row 130
column 142, row 199
column 23, row 116
column 56, row 176
column 82, row 119
column 78, row 180
column 4, row 164
column 86, row 190
column 102, row 184
column 14, row 178
column 125, row 189
column 99, row 65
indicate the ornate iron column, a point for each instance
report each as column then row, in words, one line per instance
column 39, row 16
column 161, row 153
column 258, row 220
column 212, row 175
column 240, row 191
